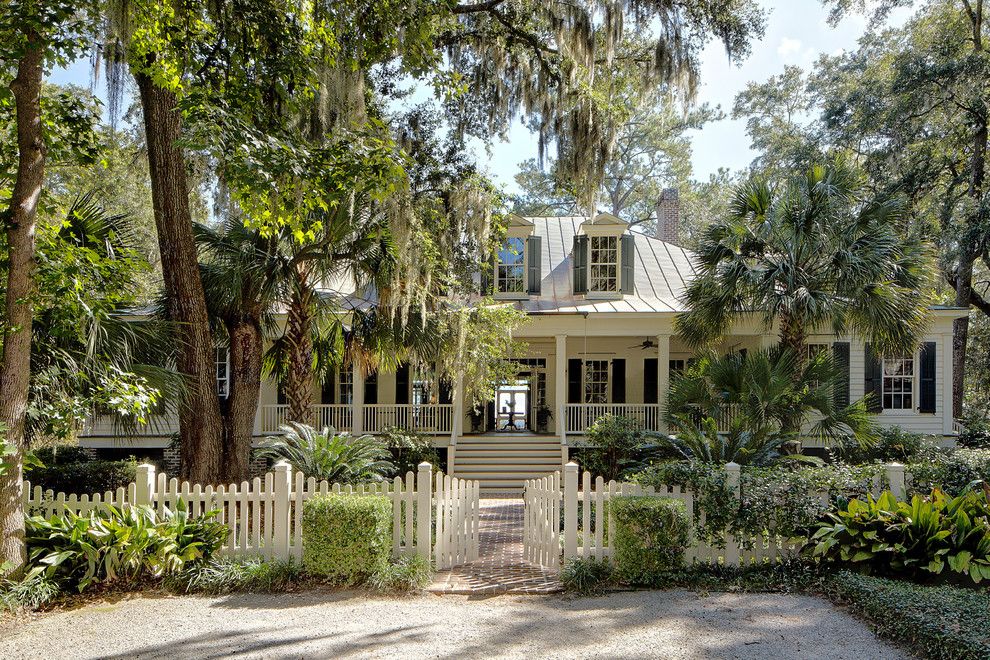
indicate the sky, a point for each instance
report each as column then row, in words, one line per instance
column 797, row 33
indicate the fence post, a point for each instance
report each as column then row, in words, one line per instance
column 282, row 489
column 895, row 477
column 144, row 481
column 732, row 480
column 424, row 510
column 570, row 510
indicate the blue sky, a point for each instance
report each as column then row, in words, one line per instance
column 797, row 33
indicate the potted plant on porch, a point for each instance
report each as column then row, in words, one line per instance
column 543, row 417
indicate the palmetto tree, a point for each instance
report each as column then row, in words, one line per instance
column 326, row 454
column 764, row 397
column 813, row 253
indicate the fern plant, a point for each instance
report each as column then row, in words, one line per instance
column 335, row 457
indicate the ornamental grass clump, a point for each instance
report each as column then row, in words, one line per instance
column 347, row 538
column 651, row 534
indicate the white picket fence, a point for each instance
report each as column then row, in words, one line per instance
column 585, row 529
column 264, row 516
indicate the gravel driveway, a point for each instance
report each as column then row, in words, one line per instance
column 669, row 624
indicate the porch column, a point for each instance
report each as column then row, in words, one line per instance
column 457, row 412
column 560, row 387
column 357, row 400
column 663, row 378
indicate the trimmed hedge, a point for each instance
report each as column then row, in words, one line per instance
column 70, row 470
column 651, row 534
column 941, row 622
column 347, row 538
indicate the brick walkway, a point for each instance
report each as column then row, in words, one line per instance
column 500, row 567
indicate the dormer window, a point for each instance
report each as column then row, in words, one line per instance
column 510, row 275
column 604, row 264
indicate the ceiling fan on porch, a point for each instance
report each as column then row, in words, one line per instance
column 646, row 344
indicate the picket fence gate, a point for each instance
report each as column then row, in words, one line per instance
column 264, row 516
column 549, row 537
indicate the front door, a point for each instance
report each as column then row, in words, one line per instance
column 512, row 406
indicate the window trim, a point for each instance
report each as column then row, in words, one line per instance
column 912, row 378
column 597, row 293
column 497, row 264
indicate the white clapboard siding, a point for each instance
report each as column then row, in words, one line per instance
column 264, row 516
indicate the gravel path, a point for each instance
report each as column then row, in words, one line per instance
column 669, row 624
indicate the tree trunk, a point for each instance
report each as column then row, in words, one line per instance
column 15, row 365
column 298, row 332
column 200, row 423
column 242, row 402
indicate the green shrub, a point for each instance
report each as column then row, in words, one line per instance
column 892, row 444
column 975, row 433
column 112, row 544
column 70, row 470
column 586, row 575
column 29, row 593
column 347, row 538
column 409, row 449
column 711, row 495
column 223, row 575
column 404, row 574
column 926, row 535
column 949, row 470
column 335, row 457
column 614, row 445
column 650, row 536
column 944, row 622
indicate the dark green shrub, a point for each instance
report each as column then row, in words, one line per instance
column 119, row 544
column 586, row 575
column 949, row 470
column 409, row 449
column 70, row 470
column 975, row 433
column 944, row 622
column 347, row 538
column 223, row 575
column 893, row 444
column 711, row 495
column 614, row 446
column 927, row 535
column 650, row 536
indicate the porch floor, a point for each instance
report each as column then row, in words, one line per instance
column 500, row 567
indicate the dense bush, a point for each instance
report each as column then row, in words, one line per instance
column 223, row 575
column 893, row 444
column 707, row 482
column 71, row 470
column 347, row 538
column 927, row 535
column 586, row 575
column 975, row 433
column 650, row 536
column 615, row 445
column 118, row 544
column 409, row 449
column 950, row 470
column 948, row 623
column 335, row 457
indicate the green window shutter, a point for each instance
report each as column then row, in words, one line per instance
column 628, row 256
column 840, row 355
column 371, row 389
column 580, row 264
column 534, row 264
column 618, row 380
column 328, row 394
column 445, row 393
column 574, row 381
column 402, row 383
column 874, row 379
column 651, row 380
column 926, row 397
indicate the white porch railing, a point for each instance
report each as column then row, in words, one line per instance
column 111, row 426
column 423, row 418
column 579, row 416
column 338, row 416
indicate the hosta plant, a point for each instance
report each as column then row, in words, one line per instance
column 329, row 455
column 926, row 535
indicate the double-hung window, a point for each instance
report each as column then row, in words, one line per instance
column 222, row 361
column 898, row 383
column 345, row 386
column 604, row 264
column 596, row 381
column 510, row 275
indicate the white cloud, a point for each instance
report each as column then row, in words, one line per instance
column 788, row 47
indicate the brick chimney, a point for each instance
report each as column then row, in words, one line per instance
column 669, row 216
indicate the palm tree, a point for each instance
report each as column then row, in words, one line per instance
column 762, row 399
column 816, row 252
column 335, row 457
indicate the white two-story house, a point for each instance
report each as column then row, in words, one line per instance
column 601, row 301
